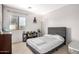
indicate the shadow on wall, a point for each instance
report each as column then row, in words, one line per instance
column 68, row 35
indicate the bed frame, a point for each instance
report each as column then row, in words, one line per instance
column 53, row 30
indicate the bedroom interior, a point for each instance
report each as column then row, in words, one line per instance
column 39, row 29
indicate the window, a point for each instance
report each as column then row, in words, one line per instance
column 22, row 22
column 17, row 22
column 13, row 23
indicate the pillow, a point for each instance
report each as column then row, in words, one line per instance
column 59, row 37
column 54, row 36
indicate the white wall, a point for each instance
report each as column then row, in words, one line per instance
column 30, row 26
column 67, row 16
column 0, row 17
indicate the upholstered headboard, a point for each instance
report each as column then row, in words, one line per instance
column 58, row 30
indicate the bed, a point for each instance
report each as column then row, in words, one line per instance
column 55, row 38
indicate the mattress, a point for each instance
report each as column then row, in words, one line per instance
column 45, row 43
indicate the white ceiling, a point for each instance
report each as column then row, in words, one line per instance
column 37, row 8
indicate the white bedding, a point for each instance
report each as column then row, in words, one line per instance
column 45, row 43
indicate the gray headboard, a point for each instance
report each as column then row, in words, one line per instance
column 58, row 30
